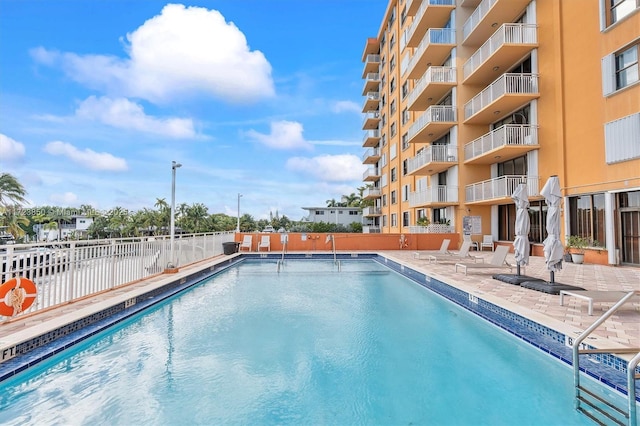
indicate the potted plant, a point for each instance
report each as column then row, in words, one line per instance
column 576, row 245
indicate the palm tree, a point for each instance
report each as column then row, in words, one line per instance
column 11, row 191
column 332, row 203
column 164, row 218
column 12, row 220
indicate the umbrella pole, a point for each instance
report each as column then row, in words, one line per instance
column 518, row 269
column 553, row 279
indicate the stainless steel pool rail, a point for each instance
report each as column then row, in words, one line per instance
column 598, row 405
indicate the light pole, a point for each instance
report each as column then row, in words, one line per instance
column 174, row 166
column 238, row 225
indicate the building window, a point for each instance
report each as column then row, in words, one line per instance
column 392, row 85
column 405, row 192
column 383, row 140
column 383, row 120
column 353, row 212
column 621, row 8
column 405, row 116
column 515, row 167
column 394, row 219
column 384, row 200
column 383, row 40
column 319, row 212
column 392, row 63
column 405, row 218
column 394, row 198
column 405, row 141
column 405, row 89
column 392, row 107
column 384, row 220
column 586, row 216
column 392, row 42
column 405, row 168
column 627, row 67
column 383, row 100
column 394, row 175
column 392, row 129
column 403, row 14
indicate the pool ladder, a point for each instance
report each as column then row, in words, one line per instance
column 280, row 263
column 599, row 409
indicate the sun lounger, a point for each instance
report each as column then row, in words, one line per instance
column 498, row 261
column 444, row 249
column 463, row 254
column 593, row 296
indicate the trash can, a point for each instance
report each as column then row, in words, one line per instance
column 230, row 247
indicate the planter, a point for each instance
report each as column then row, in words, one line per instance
column 567, row 257
column 577, row 258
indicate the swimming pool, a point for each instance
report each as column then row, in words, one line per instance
column 312, row 344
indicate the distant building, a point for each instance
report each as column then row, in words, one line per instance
column 338, row 215
column 76, row 226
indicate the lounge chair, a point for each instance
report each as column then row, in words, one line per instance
column 444, row 249
column 247, row 242
column 474, row 244
column 265, row 242
column 487, row 241
column 593, row 296
column 462, row 254
column 498, row 261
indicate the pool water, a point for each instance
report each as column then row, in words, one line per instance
column 310, row 344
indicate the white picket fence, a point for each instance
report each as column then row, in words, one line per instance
column 70, row 270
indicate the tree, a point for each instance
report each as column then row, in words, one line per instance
column 11, row 191
column 14, row 221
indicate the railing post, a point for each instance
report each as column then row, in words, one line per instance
column 71, row 267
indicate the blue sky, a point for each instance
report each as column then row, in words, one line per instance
column 256, row 97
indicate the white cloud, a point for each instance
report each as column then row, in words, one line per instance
column 184, row 51
column 346, row 106
column 284, row 135
column 10, row 149
column 334, row 168
column 88, row 158
column 66, row 199
column 124, row 114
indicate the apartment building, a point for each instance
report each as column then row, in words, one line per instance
column 466, row 99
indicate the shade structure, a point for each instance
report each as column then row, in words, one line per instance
column 522, row 226
column 553, row 248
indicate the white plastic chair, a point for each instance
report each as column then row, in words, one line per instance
column 247, row 242
column 487, row 241
column 265, row 242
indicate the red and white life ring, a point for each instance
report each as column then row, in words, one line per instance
column 16, row 295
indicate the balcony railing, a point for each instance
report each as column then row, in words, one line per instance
column 434, row 74
column 371, row 211
column 439, row 153
column 437, row 17
column 371, row 172
column 372, row 193
column 371, row 101
column 371, row 116
column 438, row 194
column 433, row 36
column 371, row 64
column 371, row 137
column 433, row 114
column 509, row 83
column 500, row 187
column 434, row 228
column 476, row 17
column 370, row 229
column 371, row 152
column 506, row 34
column 509, row 134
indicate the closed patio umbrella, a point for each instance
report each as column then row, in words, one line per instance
column 553, row 248
column 522, row 226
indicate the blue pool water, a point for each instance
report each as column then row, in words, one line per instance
column 308, row 345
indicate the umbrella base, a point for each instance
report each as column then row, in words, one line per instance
column 548, row 287
column 514, row 279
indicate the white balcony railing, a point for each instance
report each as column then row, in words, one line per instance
column 371, row 134
column 371, row 116
column 370, row 172
column 506, row 34
column 476, row 17
column 500, row 187
column 434, row 194
column 509, row 134
column 372, row 192
column 433, row 36
column 371, row 211
column 434, row 228
column 435, row 113
column 434, row 74
column 371, row 152
column 440, row 153
column 509, row 83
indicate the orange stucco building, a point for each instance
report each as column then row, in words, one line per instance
column 466, row 99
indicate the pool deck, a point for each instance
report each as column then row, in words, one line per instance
column 621, row 330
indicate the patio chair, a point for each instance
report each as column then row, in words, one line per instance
column 474, row 244
column 498, row 261
column 444, row 249
column 265, row 242
column 247, row 242
column 487, row 241
column 462, row 254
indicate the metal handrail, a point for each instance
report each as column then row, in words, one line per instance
column 631, row 365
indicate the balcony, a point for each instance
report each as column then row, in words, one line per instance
column 371, row 138
column 371, row 83
column 371, row 102
column 502, row 144
column 431, row 14
column 434, row 228
column 434, row 49
column 413, row 6
column 371, row 47
column 433, row 159
column 371, row 65
column 432, row 124
column 433, row 85
column 371, row 175
column 371, row 193
column 507, row 93
column 371, row 211
column 469, row 3
column 499, row 190
column 370, row 229
column 506, row 46
column 371, row 121
column 371, row 156
column 434, row 196
column 487, row 16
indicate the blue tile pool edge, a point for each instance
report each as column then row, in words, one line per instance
column 605, row 368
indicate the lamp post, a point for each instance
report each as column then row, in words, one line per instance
column 238, row 225
column 174, row 166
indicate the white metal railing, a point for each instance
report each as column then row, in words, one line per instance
column 434, row 194
column 434, row 228
column 433, row 36
column 371, row 134
column 434, row 74
column 371, row 59
column 500, row 187
column 507, row 33
column 369, row 211
column 370, row 229
column 371, row 152
column 435, row 113
column 509, row 83
column 371, row 96
column 476, row 17
column 372, row 76
column 440, row 153
column 372, row 192
column 370, row 172
column 69, row 270
column 421, row 11
column 508, row 134
column 371, row 116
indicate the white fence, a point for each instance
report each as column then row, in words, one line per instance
column 70, row 270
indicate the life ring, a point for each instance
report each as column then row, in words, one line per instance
column 16, row 295
column 404, row 242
